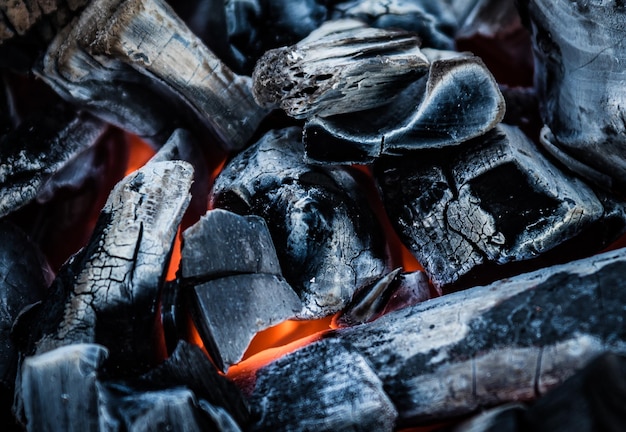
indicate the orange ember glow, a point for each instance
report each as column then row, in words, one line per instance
column 140, row 153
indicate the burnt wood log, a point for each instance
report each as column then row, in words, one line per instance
column 108, row 44
column 342, row 67
column 512, row 340
column 580, row 51
column 108, row 292
column 458, row 101
column 493, row 201
column 328, row 243
column 236, row 288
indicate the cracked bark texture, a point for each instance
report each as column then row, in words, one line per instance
column 512, row 340
column 328, row 243
column 107, row 293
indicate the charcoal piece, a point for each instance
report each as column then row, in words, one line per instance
column 224, row 243
column 495, row 200
column 504, row 418
column 512, row 340
column 59, row 388
column 175, row 409
column 459, row 101
column 323, row 387
column 108, row 292
column 39, row 148
column 229, row 311
column 108, row 44
column 342, row 67
column 434, row 22
column 189, row 366
column 328, row 243
column 579, row 78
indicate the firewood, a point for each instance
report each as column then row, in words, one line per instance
column 493, row 201
column 329, row 245
column 342, row 67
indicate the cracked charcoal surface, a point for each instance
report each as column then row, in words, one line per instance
column 327, row 241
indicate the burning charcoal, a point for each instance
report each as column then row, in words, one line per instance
column 342, row 67
column 492, row 201
column 107, row 48
column 108, row 292
column 323, row 387
column 328, row 242
column 188, row 366
column 579, row 55
column 39, row 148
column 59, row 389
column 510, row 341
column 434, row 22
column 459, row 101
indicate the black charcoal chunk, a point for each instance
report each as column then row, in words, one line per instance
column 495, row 200
column 460, row 100
column 328, row 243
column 223, row 243
column 59, row 389
column 229, row 311
column 322, row 387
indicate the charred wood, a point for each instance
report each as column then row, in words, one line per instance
column 328, row 243
column 495, row 200
column 513, row 340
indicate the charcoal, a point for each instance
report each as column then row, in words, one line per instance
column 107, row 293
column 579, row 54
column 223, row 243
column 323, row 387
column 494, row 201
column 510, row 341
column 434, row 22
column 460, row 100
column 188, row 366
column 328, row 243
column 38, row 149
column 107, row 48
column 229, row 311
column 59, row 388
column 504, row 418
column 342, row 67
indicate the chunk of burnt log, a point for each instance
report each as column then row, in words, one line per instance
column 493, row 201
column 108, row 292
column 59, row 389
column 460, row 100
column 237, row 288
column 108, row 44
column 335, row 389
column 328, row 243
column 509, row 341
column 342, row 67
column 579, row 53
column 40, row 147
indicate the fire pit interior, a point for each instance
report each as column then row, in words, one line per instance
column 312, row 215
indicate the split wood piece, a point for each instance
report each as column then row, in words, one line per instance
column 434, row 22
column 189, row 366
column 342, row 67
column 137, row 41
column 223, row 243
column 108, row 292
column 228, row 312
column 40, row 147
column 24, row 277
column 329, row 245
column 59, row 389
column 591, row 400
column 323, row 387
column 509, row 341
column 495, row 200
column 460, row 100
column 580, row 52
